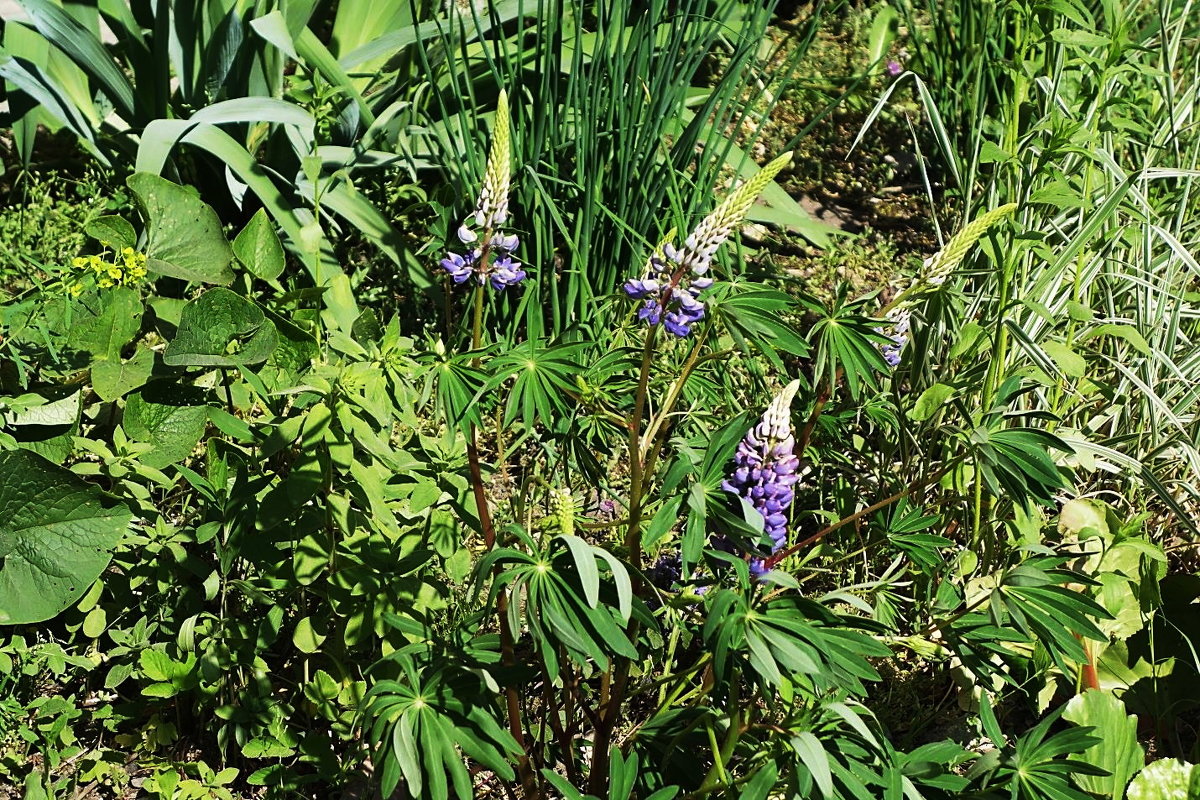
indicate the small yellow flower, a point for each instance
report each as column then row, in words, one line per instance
column 96, row 264
column 105, row 283
column 79, row 262
column 75, row 289
column 114, row 272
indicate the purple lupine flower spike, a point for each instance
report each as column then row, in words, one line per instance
column 899, row 317
column 766, row 471
column 491, row 261
column 674, row 276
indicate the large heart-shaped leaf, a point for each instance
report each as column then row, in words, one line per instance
column 105, row 323
column 221, row 329
column 113, row 379
column 171, row 417
column 56, row 537
column 184, row 237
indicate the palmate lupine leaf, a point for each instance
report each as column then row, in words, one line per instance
column 421, row 726
column 1015, row 463
column 752, row 316
column 1039, row 764
column 789, row 642
column 847, row 343
column 558, row 597
column 1031, row 603
column 544, row 386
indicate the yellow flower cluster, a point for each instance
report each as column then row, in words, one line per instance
column 126, row 268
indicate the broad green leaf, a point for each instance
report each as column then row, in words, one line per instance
column 95, row 622
column 221, row 329
column 931, row 400
column 1166, row 779
column 116, row 378
column 36, row 409
column 112, row 231
column 1118, row 750
column 169, row 416
column 1071, row 363
column 1083, row 517
column 184, row 236
column 258, row 247
column 56, row 537
column 114, row 318
column 1126, row 332
column 307, row 639
column 162, row 134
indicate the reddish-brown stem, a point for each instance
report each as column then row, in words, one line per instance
column 1091, row 679
column 822, row 398
column 481, row 504
column 507, row 651
column 857, row 515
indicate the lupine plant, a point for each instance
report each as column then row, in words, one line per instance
column 590, row 667
column 711, row 538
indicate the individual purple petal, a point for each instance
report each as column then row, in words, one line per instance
column 677, row 325
column 459, row 268
column 504, row 244
column 650, row 312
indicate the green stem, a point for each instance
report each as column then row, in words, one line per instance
column 613, row 682
column 477, row 323
column 633, row 537
column 673, row 395
column 721, row 756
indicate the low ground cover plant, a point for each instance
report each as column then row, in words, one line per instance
column 558, row 524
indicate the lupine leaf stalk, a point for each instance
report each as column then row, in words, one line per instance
column 766, row 470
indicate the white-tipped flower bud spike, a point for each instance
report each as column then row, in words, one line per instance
column 492, row 208
column 945, row 262
column 717, row 226
column 777, row 419
column 938, row 268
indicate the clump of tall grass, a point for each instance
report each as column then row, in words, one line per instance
column 620, row 116
column 1086, row 120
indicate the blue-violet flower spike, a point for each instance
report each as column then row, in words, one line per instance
column 766, row 471
column 899, row 317
column 674, row 277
